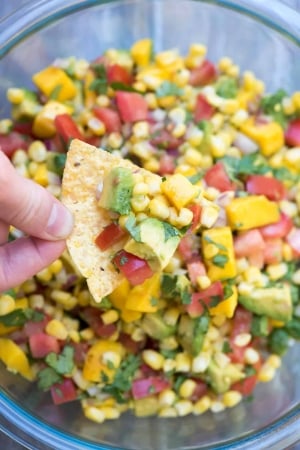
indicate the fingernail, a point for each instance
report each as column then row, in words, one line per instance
column 60, row 223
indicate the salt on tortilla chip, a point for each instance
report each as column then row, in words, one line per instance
column 84, row 171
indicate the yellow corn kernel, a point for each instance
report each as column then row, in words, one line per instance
column 138, row 335
column 151, row 100
column 167, row 102
column 41, row 175
column 253, row 211
column 64, row 298
column 266, row 373
column 184, row 217
column 44, row 275
column 141, row 52
column 29, row 286
column 153, row 359
column 253, row 276
column 288, row 106
column 140, row 203
column 193, row 157
column 201, row 362
column 171, row 315
column 169, row 365
column 167, row 397
column 43, row 124
column 141, row 130
column 20, row 157
column 84, row 297
column 296, row 100
column 224, row 64
column 217, row 406
column 52, row 78
column 179, row 190
column 152, row 165
column 277, row 271
column 96, row 126
column 296, row 277
column 219, row 320
column 181, row 77
column 158, row 208
column 203, row 282
column 209, row 215
column 15, row 95
column 202, row 405
column 183, row 407
column 251, row 356
column 74, row 336
column 87, row 334
column 7, row 304
column 110, row 413
column 142, row 149
column 195, row 137
column 167, row 412
column 187, row 388
column 94, row 414
column 111, row 357
column 242, row 339
column 288, row 208
column 140, row 188
column 230, row 106
column 56, row 266
column 232, row 398
column 110, row 316
column 183, row 362
column 37, row 151
column 177, row 115
column 179, row 130
column 103, row 101
column 57, row 329
column 169, row 343
column 115, row 140
column 274, row 361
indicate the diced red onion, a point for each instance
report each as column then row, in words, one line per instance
column 245, row 144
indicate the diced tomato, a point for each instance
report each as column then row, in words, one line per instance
column 41, row 344
column 163, row 139
column 246, row 386
column 217, row 177
column 196, row 210
column 196, row 269
column 188, row 247
column 118, row 74
column 63, row 392
column 272, row 188
column 292, row 134
column 248, row 243
column 148, row 386
column 93, row 317
column 257, row 259
column 31, row 327
column 294, row 240
column 135, row 269
column 200, row 390
column 166, row 164
column 204, row 74
column 109, row 117
column 80, row 351
column 132, row 106
column 279, row 229
column 67, row 128
column 93, row 140
column 273, row 251
column 24, row 127
column 241, row 322
column 11, row 142
column 204, row 298
column 203, row 109
column 109, row 236
column 130, row 345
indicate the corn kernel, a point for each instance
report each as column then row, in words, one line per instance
column 217, row 406
column 110, row 316
column 115, row 140
column 152, row 164
column 181, row 77
column 177, row 115
column 183, row 407
column 15, row 95
column 187, row 388
column 288, row 106
column 97, row 127
column 239, row 117
column 195, row 136
column 174, row 264
column 103, row 101
column 184, row 217
column 159, row 209
column 296, row 277
column 171, row 316
column 84, row 298
column 19, row 157
column 81, row 382
column 219, row 320
column 221, row 359
column 111, row 358
column 277, row 271
column 167, row 397
column 245, row 288
column 169, row 365
column 74, row 336
column 94, row 414
column 242, row 339
column 44, row 275
column 296, row 100
column 140, row 202
column 233, row 71
column 154, row 359
column 183, row 362
column 179, row 130
column 29, row 286
column 151, row 100
column 266, row 373
column 207, row 161
column 64, row 298
column 232, row 398
column 87, row 334
column 202, row 405
column 167, row 411
column 274, row 361
column 110, row 412
column 249, row 81
column 7, row 304
column 57, row 329
column 192, row 157
column 203, row 282
column 141, row 130
column 288, row 208
column 224, row 64
column 209, row 215
column 138, row 335
column 5, row 126
column 197, row 50
column 253, row 275
column 251, row 356
column 56, row 266
column 37, row 151
column 36, row 301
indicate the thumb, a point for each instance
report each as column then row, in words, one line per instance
column 29, row 207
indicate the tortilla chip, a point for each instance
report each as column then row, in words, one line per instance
column 85, row 169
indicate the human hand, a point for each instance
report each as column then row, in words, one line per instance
column 33, row 210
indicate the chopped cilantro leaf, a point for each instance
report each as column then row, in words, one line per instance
column 249, row 371
column 110, row 365
column 272, row 105
column 19, row 317
column 11, row 292
column 59, row 162
column 220, row 260
column 227, row 87
column 123, row 260
column 122, row 381
column 247, row 165
column 201, row 324
column 154, row 301
column 283, row 174
column 99, row 84
column 195, row 178
column 215, row 300
column 105, row 303
column 228, row 291
column 55, row 92
column 168, row 354
column 168, row 285
column 117, row 86
column 170, row 231
column 63, row 363
column 186, row 297
column 132, row 228
column 167, row 88
column 226, row 347
column 47, row 377
column 178, row 382
column 211, row 241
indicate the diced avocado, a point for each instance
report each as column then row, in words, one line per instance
column 260, row 326
column 155, row 241
column 274, row 302
column 155, row 327
column 191, row 333
column 56, row 162
column 207, row 129
column 28, row 108
column 278, row 341
column 227, row 87
column 293, row 328
column 221, row 378
column 117, row 190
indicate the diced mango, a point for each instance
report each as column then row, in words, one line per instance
column 170, row 61
column 20, row 303
column 94, row 364
column 277, row 323
column 43, row 125
column 53, row 78
column 269, row 136
column 89, row 95
column 222, row 265
column 179, row 190
column 226, row 307
column 153, row 76
column 41, row 175
column 143, row 298
column 254, row 211
column 119, row 297
column 15, row 359
column 141, row 52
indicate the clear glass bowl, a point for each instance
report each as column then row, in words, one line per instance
column 260, row 36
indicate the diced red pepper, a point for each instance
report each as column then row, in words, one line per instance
column 279, row 229
column 132, row 106
column 204, row 298
column 196, row 210
column 13, row 141
column 166, row 164
column 204, row 74
column 292, row 134
column 148, row 386
column 273, row 251
column 203, row 109
column 135, row 269
column 248, row 243
column 130, row 345
column 93, row 317
column 246, row 386
column 272, row 188
column 118, row 74
column 294, row 240
column 241, row 322
column 67, row 128
column 109, row 117
column 24, row 127
column 41, row 344
column 109, row 236
column 217, row 177
column 63, row 392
